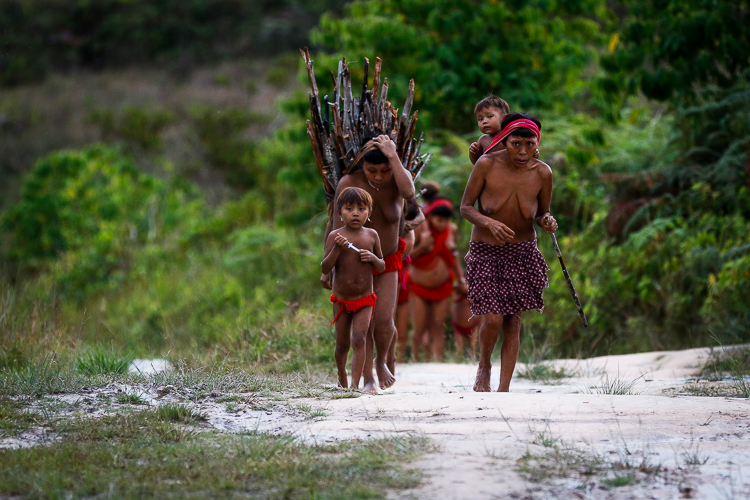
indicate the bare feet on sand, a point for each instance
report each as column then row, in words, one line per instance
column 482, row 382
column 385, row 378
column 370, row 388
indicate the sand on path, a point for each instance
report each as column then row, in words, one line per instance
column 481, row 436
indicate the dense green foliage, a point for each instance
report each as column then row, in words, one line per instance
column 652, row 196
column 37, row 36
column 671, row 48
column 533, row 54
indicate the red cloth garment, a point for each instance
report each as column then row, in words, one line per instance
column 436, row 294
column 509, row 129
column 354, row 305
column 394, row 261
column 440, row 202
column 428, row 262
column 403, row 275
column 463, row 330
column 439, row 249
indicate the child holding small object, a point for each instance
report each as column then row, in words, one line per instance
column 353, row 251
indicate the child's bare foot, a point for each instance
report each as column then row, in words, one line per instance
column 385, row 377
column 344, row 379
column 370, row 388
column 391, row 363
column 482, row 382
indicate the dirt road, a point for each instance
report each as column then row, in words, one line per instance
column 556, row 440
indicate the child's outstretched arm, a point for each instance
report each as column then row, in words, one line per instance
column 375, row 258
column 334, row 243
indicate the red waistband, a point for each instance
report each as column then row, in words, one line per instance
column 354, row 305
column 394, row 261
column 468, row 331
column 432, row 294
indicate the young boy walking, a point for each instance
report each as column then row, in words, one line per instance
column 353, row 251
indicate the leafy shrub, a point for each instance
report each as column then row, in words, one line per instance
column 139, row 126
column 39, row 36
column 89, row 209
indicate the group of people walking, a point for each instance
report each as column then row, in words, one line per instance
column 433, row 284
column 383, row 251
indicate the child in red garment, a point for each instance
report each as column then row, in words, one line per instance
column 434, row 269
column 353, row 251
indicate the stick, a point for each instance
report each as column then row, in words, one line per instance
column 567, row 278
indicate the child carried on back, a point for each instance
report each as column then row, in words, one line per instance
column 352, row 252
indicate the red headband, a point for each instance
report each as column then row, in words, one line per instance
column 442, row 202
column 508, row 130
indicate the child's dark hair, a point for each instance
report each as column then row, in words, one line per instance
column 431, row 190
column 492, row 101
column 412, row 209
column 354, row 196
column 376, row 156
column 441, row 207
column 521, row 131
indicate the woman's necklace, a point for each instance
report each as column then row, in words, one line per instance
column 370, row 183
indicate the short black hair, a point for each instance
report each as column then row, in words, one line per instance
column 521, row 131
column 376, row 156
column 412, row 209
column 492, row 101
column 431, row 191
column 442, row 211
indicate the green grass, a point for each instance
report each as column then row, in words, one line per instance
column 148, row 455
column 130, row 398
column 619, row 480
column 173, row 412
column 13, row 419
column 726, row 362
column 737, row 389
column 615, row 385
column 545, row 372
column 559, row 460
column 102, row 363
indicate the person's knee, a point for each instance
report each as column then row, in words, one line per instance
column 493, row 322
column 358, row 342
column 343, row 347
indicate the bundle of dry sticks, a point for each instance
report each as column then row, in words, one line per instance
column 337, row 144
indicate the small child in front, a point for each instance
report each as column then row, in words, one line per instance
column 352, row 252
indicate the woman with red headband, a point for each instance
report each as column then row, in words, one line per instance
column 434, row 268
column 505, row 270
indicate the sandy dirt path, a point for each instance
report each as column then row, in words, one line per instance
column 482, row 436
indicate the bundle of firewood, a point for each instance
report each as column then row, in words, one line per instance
column 340, row 125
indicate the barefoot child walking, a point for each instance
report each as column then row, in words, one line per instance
column 353, row 251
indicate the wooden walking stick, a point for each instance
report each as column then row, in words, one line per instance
column 567, row 278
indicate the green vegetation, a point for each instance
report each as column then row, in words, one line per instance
column 615, row 386
column 188, row 223
column 155, row 453
column 558, row 460
column 39, row 36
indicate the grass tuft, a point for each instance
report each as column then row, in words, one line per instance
column 545, row 372
column 175, row 412
column 616, row 386
column 142, row 455
column 126, row 398
column 102, row 363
